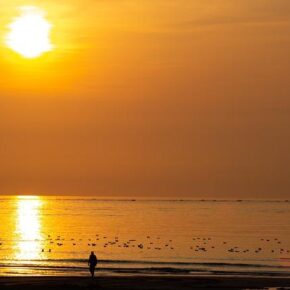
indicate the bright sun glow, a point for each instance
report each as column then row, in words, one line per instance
column 29, row 34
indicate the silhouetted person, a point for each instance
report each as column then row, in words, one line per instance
column 92, row 263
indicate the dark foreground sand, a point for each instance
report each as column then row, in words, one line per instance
column 143, row 282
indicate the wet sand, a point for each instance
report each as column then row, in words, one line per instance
column 143, row 282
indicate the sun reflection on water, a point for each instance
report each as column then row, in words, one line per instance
column 28, row 228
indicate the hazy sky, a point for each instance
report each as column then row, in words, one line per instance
column 187, row 98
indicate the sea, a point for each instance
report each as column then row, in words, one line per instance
column 54, row 236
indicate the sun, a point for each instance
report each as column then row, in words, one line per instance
column 29, row 33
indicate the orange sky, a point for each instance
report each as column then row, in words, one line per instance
column 150, row 98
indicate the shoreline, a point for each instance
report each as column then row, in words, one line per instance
column 143, row 282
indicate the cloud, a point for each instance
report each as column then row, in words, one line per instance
column 255, row 12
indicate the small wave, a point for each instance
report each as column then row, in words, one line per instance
column 82, row 271
column 142, row 262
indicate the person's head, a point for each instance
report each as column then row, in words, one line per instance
column 92, row 253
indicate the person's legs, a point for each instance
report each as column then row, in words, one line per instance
column 92, row 270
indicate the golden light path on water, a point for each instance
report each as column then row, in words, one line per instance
column 28, row 228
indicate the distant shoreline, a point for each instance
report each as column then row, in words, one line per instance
column 141, row 198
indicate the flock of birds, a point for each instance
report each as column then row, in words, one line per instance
column 105, row 242
column 198, row 244
column 273, row 244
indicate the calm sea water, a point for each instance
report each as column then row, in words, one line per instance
column 54, row 236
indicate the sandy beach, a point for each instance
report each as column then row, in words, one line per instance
column 143, row 282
